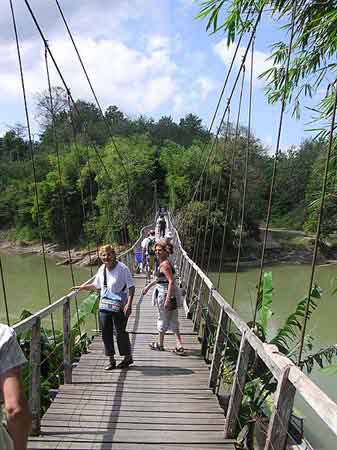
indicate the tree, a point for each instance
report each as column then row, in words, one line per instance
column 13, row 146
column 45, row 109
column 190, row 129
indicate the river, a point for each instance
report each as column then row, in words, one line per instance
column 290, row 283
column 26, row 289
column 25, row 285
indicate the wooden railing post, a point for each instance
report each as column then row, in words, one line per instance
column 183, row 268
column 130, row 262
column 188, row 279
column 237, row 388
column 206, row 333
column 198, row 310
column 282, row 408
column 35, row 383
column 190, row 299
column 67, row 343
column 218, row 349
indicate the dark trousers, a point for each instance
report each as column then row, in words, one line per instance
column 162, row 231
column 109, row 321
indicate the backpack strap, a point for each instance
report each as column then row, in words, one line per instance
column 105, row 284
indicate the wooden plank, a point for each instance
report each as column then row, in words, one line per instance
column 237, row 388
column 136, row 437
column 35, row 384
column 66, row 344
column 282, row 408
column 66, row 445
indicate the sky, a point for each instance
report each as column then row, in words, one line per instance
column 149, row 57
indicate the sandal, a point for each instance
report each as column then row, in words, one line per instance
column 125, row 363
column 179, row 351
column 156, row 346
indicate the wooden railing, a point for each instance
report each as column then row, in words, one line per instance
column 33, row 323
column 202, row 295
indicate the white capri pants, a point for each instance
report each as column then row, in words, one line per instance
column 167, row 320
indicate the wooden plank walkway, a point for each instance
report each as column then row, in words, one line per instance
column 160, row 403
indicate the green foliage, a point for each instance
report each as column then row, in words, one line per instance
column 52, row 350
column 265, row 312
column 289, row 332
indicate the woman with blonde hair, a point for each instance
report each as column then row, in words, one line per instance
column 164, row 299
column 117, row 289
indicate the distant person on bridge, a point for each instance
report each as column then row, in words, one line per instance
column 165, row 299
column 161, row 226
column 13, row 435
column 149, row 254
column 117, row 291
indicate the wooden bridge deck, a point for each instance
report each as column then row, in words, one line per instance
column 160, row 403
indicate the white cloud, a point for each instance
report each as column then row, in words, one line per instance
column 261, row 61
column 136, row 81
column 205, row 86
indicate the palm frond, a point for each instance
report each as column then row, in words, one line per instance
column 293, row 324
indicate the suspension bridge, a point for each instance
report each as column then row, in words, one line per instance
column 166, row 401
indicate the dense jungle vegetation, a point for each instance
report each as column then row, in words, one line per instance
column 163, row 160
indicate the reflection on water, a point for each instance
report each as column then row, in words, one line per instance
column 290, row 284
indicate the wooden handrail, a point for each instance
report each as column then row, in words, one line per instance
column 276, row 362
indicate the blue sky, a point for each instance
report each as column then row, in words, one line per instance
column 148, row 57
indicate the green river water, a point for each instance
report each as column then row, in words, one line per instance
column 290, row 284
column 26, row 289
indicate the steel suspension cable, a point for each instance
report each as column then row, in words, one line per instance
column 208, row 214
column 319, row 224
column 60, row 179
column 218, row 190
column 31, row 153
column 4, row 292
column 45, row 42
column 106, row 122
column 243, row 209
column 276, row 156
column 92, row 203
column 230, row 182
column 78, row 156
column 203, row 199
column 257, row 21
column 198, row 227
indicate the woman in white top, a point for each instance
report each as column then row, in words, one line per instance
column 117, row 288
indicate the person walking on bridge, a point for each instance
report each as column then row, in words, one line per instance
column 165, row 299
column 161, row 226
column 117, row 288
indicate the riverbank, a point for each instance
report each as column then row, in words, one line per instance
column 283, row 246
column 79, row 257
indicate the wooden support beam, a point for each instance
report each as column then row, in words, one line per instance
column 282, row 409
column 188, row 280
column 35, row 384
column 237, row 388
column 67, row 344
column 198, row 309
column 190, row 299
column 206, row 333
column 218, row 349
